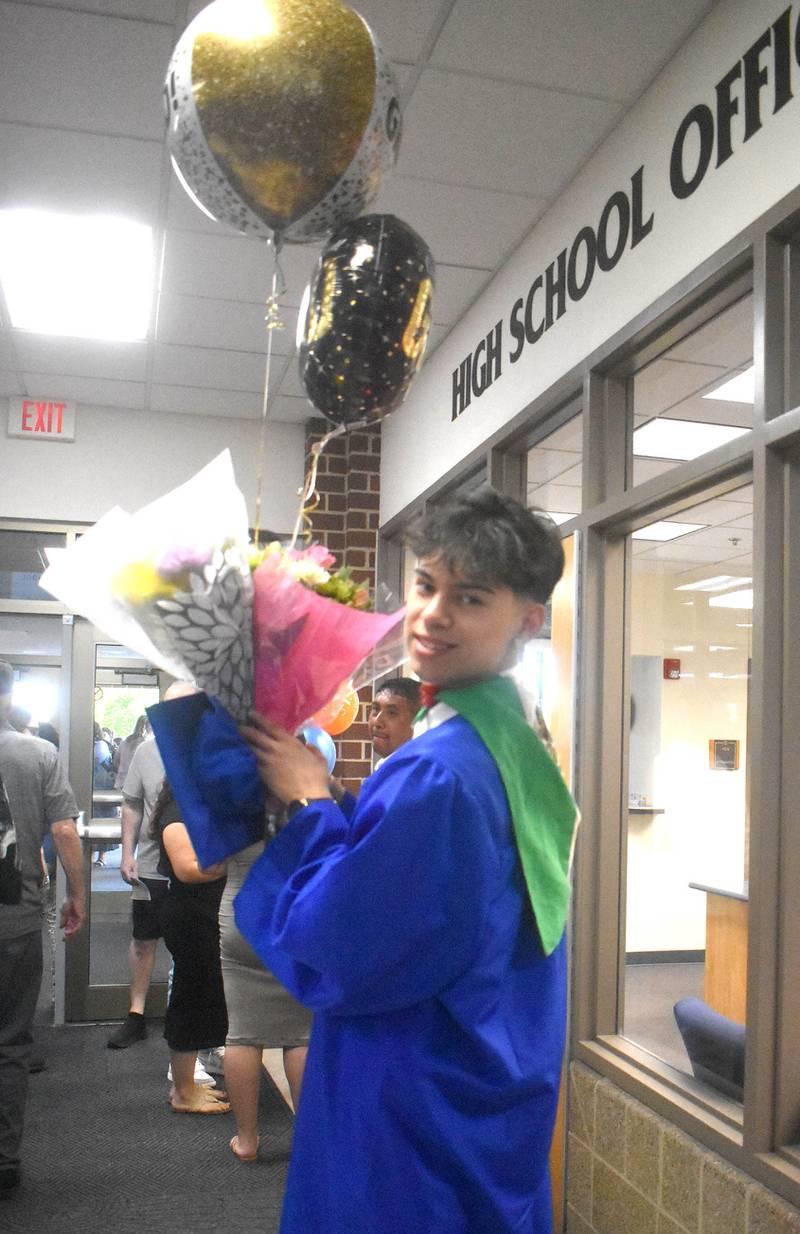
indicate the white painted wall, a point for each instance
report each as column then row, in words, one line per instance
column 129, row 458
column 700, row 837
column 420, row 441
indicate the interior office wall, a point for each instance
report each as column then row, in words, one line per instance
column 129, row 458
column 700, row 837
column 421, row 441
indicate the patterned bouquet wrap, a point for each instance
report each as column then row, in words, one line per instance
column 179, row 583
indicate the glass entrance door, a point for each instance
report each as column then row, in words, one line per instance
column 110, row 688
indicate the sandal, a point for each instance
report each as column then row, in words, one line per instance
column 244, row 1156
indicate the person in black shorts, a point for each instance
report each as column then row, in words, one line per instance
column 197, row 1018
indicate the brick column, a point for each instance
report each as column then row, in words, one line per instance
column 346, row 522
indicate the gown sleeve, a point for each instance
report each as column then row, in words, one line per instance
column 379, row 911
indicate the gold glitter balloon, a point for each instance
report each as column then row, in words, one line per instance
column 283, row 115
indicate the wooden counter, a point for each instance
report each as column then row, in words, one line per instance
column 725, row 982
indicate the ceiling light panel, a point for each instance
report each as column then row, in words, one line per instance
column 665, row 530
column 83, row 276
column 681, row 440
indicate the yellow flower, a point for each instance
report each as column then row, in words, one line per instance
column 139, row 581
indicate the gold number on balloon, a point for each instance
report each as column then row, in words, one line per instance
column 415, row 335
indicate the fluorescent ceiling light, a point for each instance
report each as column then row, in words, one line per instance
column 560, row 517
column 738, row 389
column 720, row 647
column 85, row 276
column 681, row 439
column 684, row 647
column 717, row 582
column 733, row 599
column 664, row 530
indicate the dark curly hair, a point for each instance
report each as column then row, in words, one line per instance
column 494, row 540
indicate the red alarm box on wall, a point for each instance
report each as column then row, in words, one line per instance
column 672, row 670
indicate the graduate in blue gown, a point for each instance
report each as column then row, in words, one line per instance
column 424, row 921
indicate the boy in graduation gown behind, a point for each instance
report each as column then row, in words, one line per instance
column 424, row 922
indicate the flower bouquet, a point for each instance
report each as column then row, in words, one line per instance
column 275, row 628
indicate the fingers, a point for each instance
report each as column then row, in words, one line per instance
column 264, row 725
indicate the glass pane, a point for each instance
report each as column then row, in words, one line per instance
column 554, row 472
column 687, row 821
column 29, row 634
column 23, row 561
column 696, row 396
column 124, row 686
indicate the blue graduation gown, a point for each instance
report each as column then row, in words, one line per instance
column 432, row 1077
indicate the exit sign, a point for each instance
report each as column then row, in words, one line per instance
column 41, row 419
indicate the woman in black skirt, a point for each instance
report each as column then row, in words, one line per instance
column 196, row 1017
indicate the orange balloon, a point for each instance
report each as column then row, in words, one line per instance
column 337, row 715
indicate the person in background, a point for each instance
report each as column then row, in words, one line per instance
column 196, row 1017
column 35, row 798
column 424, row 922
column 262, row 1015
column 391, row 717
column 127, row 748
column 139, row 868
column 102, row 781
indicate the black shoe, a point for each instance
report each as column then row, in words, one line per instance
column 38, row 1063
column 10, row 1177
column 130, row 1031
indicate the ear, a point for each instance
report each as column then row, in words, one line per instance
column 533, row 619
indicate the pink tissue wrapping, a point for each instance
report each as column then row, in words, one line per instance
column 306, row 645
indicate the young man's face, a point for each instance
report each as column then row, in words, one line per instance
column 391, row 722
column 459, row 631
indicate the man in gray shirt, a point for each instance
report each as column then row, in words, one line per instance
column 36, row 799
column 139, row 867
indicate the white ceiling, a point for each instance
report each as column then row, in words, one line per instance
column 504, row 100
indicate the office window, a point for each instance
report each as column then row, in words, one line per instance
column 695, row 396
column 554, row 471
column 23, row 561
column 687, row 821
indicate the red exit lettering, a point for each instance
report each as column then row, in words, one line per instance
column 42, row 417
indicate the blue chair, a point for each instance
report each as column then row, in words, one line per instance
column 715, row 1046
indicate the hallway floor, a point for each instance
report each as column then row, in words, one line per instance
column 103, row 1151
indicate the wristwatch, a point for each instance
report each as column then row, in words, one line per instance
column 300, row 803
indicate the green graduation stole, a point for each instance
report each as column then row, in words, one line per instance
column 543, row 812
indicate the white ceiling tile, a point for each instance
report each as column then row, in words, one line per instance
column 232, row 268
column 465, row 227
column 10, row 383
column 91, row 391
column 46, row 353
column 57, row 170
column 675, row 551
column 664, row 383
column 603, row 48
column 8, row 354
column 558, row 497
column 722, row 539
column 544, row 465
column 190, row 400
column 648, row 468
column 475, row 131
column 726, row 340
column 716, row 512
column 99, row 73
column 163, row 11
column 403, row 30
column 712, row 411
column 192, row 321
column 291, row 410
column 208, row 367
column 456, row 288
column 291, row 384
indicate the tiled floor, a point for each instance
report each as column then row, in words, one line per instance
column 651, row 991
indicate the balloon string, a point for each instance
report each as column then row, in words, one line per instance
column 309, row 497
column 273, row 322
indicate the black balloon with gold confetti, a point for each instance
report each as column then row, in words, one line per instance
column 365, row 320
